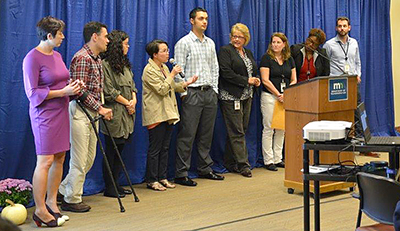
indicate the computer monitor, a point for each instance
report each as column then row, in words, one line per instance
column 364, row 121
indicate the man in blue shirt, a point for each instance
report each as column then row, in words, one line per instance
column 344, row 55
column 343, row 51
column 196, row 54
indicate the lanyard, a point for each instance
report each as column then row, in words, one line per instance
column 345, row 52
column 281, row 67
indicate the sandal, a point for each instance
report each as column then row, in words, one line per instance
column 167, row 184
column 156, row 186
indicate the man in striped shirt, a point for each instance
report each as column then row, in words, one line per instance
column 196, row 54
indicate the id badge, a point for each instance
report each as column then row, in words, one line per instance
column 347, row 68
column 283, row 86
column 236, row 105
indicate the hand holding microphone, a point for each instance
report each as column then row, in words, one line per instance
column 176, row 70
column 179, row 68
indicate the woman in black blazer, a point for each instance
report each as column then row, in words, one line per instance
column 236, row 85
column 309, row 62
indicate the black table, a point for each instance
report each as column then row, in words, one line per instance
column 307, row 176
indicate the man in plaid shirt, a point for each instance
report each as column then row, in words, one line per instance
column 196, row 54
column 85, row 66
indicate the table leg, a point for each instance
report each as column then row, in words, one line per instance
column 391, row 171
column 316, row 196
column 306, row 190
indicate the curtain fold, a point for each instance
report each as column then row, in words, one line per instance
column 169, row 20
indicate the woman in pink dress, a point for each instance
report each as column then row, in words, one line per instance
column 46, row 86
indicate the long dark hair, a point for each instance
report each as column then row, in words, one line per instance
column 114, row 54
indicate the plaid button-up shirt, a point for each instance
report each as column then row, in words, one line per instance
column 88, row 68
column 198, row 58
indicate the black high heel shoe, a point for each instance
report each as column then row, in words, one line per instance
column 57, row 215
column 52, row 223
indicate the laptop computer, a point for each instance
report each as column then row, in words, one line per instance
column 375, row 140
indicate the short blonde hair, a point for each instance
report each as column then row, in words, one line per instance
column 243, row 29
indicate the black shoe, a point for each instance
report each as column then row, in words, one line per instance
column 186, row 181
column 53, row 223
column 114, row 195
column 212, row 176
column 271, row 167
column 280, row 165
column 124, row 191
column 60, row 198
column 57, row 215
column 233, row 169
column 246, row 172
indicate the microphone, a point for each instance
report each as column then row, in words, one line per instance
column 173, row 62
column 325, row 57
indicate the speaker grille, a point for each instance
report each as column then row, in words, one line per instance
column 319, row 136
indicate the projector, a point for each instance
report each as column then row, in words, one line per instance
column 326, row 130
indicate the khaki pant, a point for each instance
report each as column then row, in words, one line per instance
column 83, row 152
column 272, row 139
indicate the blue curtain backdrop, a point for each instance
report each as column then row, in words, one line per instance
column 145, row 20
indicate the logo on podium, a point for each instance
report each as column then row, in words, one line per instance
column 337, row 89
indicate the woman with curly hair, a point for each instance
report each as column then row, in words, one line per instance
column 309, row 62
column 277, row 70
column 120, row 96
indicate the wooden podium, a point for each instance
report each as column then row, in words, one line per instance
column 322, row 98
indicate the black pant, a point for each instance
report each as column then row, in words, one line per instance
column 114, row 162
column 236, row 122
column 157, row 157
column 199, row 109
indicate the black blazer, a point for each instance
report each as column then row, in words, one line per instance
column 321, row 64
column 233, row 76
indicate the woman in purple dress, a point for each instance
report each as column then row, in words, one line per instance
column 46, row 86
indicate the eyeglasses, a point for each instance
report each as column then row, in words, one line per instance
column 238, row 37
column 164, row 51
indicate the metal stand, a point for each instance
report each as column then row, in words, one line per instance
column 122, row 162
column 93, row 122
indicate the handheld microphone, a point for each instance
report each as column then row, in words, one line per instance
column 173, row 62
column 325, row 57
